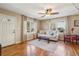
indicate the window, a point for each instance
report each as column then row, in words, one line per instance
column 61, row 24
column 31, row 26
column 28, row 26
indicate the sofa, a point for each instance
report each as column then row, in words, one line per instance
column 52, row 34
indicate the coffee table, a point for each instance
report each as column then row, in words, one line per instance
column 43, row 38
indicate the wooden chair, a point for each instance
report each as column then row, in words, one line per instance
column 74, row 38
column 67, row 38
column 77, row 39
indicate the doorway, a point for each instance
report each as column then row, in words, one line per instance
column 7, row 30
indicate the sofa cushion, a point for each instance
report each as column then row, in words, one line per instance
column 44, row 32
column 52, row 33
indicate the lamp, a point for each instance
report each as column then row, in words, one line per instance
column 72, row 29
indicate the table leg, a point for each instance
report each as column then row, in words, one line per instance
column 48, row 40
column 64, row 40
column 76, row 41
column 39, row 39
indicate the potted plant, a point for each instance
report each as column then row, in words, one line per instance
column 61, row 29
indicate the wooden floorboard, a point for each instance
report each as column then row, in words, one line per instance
column 24, row 49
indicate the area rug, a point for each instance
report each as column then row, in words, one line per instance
column 43, row 44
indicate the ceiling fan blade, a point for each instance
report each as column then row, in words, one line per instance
column 54, row 13
column 43, row 16
column 41, row 13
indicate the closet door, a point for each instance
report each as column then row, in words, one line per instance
column 7, row 26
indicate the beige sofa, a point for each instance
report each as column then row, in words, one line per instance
column 52, row 35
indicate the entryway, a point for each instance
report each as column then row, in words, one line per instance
column 7, row 30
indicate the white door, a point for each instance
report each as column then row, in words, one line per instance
column 1, row 34
column 7, row 29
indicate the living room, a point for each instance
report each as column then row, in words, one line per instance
column 43, row 29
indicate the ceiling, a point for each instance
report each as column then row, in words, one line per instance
column 32, row 9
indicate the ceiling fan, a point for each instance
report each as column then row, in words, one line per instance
column 48, row 12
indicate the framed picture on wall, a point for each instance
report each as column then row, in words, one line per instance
column 76, row 23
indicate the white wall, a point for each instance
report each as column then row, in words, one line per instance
column 71, row 24
column 46, row 24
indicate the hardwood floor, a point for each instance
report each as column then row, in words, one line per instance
column 24, row 49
